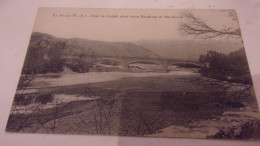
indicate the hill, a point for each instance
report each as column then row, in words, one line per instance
column 187, row 49
column 99, row 48
column 47, row 53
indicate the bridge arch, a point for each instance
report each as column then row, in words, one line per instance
column 109, row 61
column 154, row 62
column 185, row 64
column 145, row 62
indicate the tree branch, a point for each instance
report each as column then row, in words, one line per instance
column 194, row 26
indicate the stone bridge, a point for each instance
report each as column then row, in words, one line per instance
column 164, row 63
column 126, row 61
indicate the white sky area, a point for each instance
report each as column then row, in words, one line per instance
column 61, row 23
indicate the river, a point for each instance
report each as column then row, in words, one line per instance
column 95, row 77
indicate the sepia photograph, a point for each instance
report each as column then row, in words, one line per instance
column 136, row 72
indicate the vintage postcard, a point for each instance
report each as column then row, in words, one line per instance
column 136, row 72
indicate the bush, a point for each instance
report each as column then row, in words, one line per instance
column 231, row 67
column 249, row 130
column 44, row 56
column 27, row 99
column 80, row 65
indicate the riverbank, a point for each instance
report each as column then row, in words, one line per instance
column 172, row 104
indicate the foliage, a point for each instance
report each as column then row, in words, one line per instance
column 79, row 65
column 248, row 130
column 232, row 67
column 82, row 64
column 44, row 56
column 27, row 99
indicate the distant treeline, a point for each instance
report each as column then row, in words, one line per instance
column 231, row 67
column 46, row 57
column 43, row 57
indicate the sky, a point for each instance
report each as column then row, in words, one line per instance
column 117, row 25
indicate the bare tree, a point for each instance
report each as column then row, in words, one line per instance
column 230, row 90
column 22, row 120
column 102, row 116
column 139, row 119
column 195, row 26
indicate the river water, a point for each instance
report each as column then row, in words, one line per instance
column 95, row 77
column 196, row 129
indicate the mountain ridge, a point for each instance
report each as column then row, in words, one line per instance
column 187, row 49
column 77, row 46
